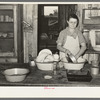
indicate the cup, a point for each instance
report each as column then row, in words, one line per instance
column 32, row 63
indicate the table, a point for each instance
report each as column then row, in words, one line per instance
column 36, row 78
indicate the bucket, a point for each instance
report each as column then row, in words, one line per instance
column 94, row 70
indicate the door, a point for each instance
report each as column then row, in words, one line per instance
column 50, row 23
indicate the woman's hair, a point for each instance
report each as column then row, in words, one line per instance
column 75, row 17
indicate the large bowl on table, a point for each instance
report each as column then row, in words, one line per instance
column 73, row 66
column 15, row 74
column 45, row 66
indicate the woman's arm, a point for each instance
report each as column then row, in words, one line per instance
column 62, row 49
column 81, row 51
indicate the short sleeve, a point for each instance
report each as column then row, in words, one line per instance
column 60, row 39
column 81, row 37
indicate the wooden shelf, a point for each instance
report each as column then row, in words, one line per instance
column 6, row 27
column 91, row 51
column 7, row 38
column 6, row 22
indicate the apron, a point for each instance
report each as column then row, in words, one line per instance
column 72, row 44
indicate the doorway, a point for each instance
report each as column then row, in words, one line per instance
column 51, row 20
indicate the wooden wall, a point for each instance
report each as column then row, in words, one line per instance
column 30, row 13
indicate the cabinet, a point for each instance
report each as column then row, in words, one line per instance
column 8, row 33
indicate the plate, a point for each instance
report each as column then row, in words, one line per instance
column 41, row 57
column 45, row 51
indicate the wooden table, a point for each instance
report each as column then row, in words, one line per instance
column 36, row 78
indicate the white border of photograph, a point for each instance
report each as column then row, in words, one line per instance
column 49, row 92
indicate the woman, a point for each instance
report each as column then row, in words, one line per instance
column 71, row 40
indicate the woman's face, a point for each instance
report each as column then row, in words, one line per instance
column 72, row 23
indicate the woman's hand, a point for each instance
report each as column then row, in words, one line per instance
column 76, row 56
column 67, row 52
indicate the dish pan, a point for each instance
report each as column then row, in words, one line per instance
column 15, row 74
column 45, row 66
column 73, row 66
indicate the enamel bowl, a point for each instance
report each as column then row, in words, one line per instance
column 73, row 66
column 15, row 74
column 45, row 66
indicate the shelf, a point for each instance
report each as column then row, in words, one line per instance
column 6, row 27
column 6, row 22
column 7, row 38
column 6, row 54
column 91, row 51
column 6, row 12
column 95, row 17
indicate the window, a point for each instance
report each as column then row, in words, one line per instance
column 91, row 16
column 51, row 14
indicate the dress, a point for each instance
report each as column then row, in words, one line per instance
column 70, row 41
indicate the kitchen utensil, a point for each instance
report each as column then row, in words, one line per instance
column 46, row 66
column 71, row 58
column 32, row 63
column 94, row 70
column 73, row 66
column 15, row 74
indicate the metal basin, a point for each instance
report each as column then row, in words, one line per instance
column 15, row 74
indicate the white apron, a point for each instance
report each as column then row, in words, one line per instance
column 72, row 44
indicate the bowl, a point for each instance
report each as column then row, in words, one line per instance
column 73, row 66
column 45, row 66
column 15, row 74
